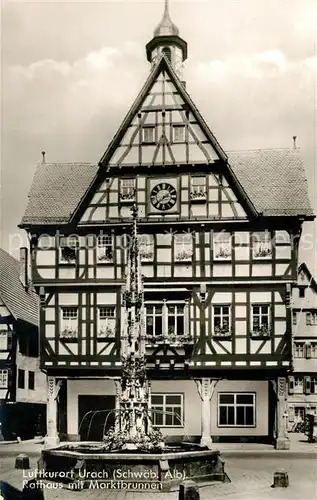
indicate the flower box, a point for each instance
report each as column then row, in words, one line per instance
column 184, row 256
column 263, row 331
column 222, row 332
column 128, row 197
column 198, row 196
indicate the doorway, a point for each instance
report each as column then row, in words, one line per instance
column 94, row 417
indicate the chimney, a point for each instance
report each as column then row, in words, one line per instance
column 24, row 267
column 294, row 141
column 43, row 155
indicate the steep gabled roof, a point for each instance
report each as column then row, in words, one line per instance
column 304, row 269
column 274, row 180
column 56, row 191
column 162, row 65
column 22, row 305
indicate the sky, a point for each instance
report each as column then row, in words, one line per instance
column 70, row 71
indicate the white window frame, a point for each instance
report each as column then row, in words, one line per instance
column 146, row 247
column 4, row 378
column 298, row 385
column 222, row 246
column 235, row 406
column 299, row 350
column 198, row 190
column 4, row 337
column 264, row 330
column 166, row 407
column 222, row 331
column 299, row 413
column 154, row 313
column 178, row 133
column 294, row 318
column 262, row 245
column 70, row 242
column 148, row 134
column 105, row 249
column 183, row 247
column 180, row 310
column 69, row 322
column 127, row 189
column 311, row 318
column 313, row 349
column 106, row 321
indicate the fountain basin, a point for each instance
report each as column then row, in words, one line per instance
column 87, row 465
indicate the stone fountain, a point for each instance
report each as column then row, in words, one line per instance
column 133, row 455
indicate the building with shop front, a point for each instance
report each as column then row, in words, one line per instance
column 22, row 384
column 219, row 235
column 302, row 384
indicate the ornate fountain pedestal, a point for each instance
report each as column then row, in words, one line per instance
column 86, row 465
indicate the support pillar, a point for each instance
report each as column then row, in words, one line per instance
column 51, row 438
column 282, row 439
column 206, row 388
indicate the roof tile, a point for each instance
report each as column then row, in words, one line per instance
column 22, row 304
column 273, row 179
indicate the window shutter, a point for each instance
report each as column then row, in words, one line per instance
column 186, row 318
column 10, row 340
column 291, row 384
column 307, row 385
column 10, row 377
column 307, row 348
column 291, row 414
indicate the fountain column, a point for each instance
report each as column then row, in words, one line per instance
column 135, row 420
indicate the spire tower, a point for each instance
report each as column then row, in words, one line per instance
column 166, row 41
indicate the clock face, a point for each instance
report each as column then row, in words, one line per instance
column 163, row 196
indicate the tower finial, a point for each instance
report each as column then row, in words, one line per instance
column 166, row 27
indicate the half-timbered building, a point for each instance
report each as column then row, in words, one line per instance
column 302, row 383
column 219, row 234
column 22, row 384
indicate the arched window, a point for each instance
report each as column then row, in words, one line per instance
column 167, row 52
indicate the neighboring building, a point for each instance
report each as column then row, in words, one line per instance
column 219, row 240
column 302, row 385
column 22, row 384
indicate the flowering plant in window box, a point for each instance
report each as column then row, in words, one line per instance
column 222, row 331
column 169, row 339
column 198, row 194
column 223, row 253
column 105, row 256
column 262, row 252
column 106, row 331
column 68, row 334
column 146, row 255
column 127, row 196
column 68, row 255
column 184, row 255
column 262, row 331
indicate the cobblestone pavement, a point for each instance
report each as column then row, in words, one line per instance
column 251, row 478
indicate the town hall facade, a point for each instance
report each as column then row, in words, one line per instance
column 218, row 236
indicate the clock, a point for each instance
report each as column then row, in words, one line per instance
column 163, row 196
